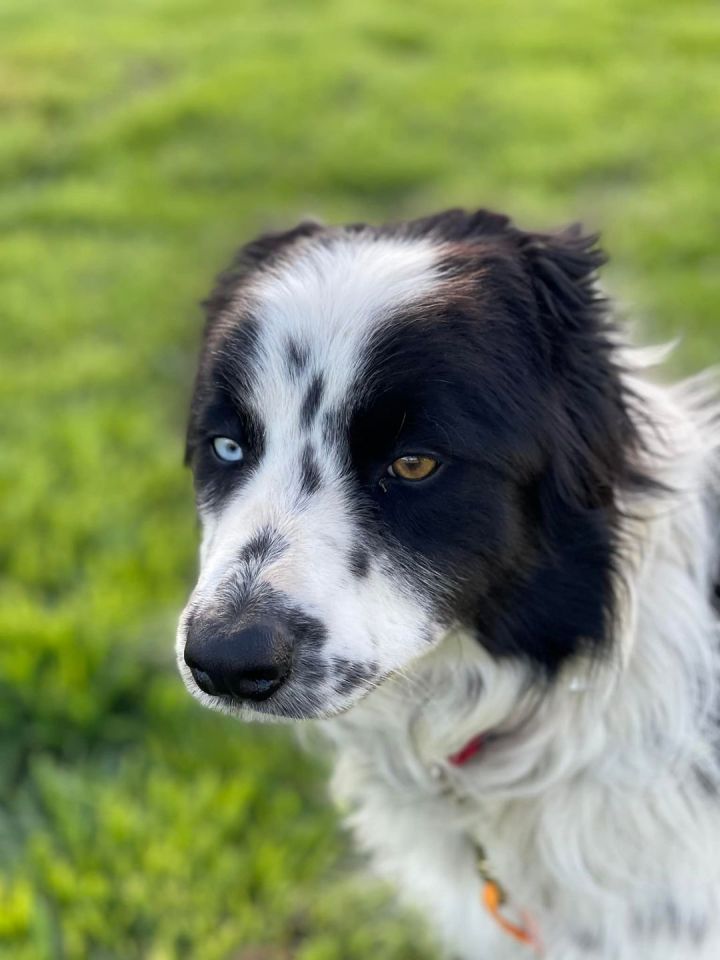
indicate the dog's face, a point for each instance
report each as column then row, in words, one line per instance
column 395, row 431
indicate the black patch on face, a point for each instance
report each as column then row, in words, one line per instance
column 215, row 480
column 508, row 377
column 311, row 400
column 220, row 409
column 298, row 355
column 349, row 674
column 310, row 478
column 227, row 365
column 359, row 562
column 312, row 631
column 312, row 667
column 265, row 545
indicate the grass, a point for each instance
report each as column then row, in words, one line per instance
column 141, row 141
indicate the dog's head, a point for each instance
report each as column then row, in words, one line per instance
column 396, row 431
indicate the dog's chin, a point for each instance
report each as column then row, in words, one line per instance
column 288, row 705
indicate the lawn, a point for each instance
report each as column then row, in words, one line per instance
column 140, row 141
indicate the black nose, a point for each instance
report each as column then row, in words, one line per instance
column 251, row 663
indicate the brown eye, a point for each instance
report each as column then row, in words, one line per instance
column 413, row 467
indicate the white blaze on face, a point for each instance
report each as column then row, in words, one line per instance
column 324, row 303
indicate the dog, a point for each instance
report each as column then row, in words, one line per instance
column 450, row 514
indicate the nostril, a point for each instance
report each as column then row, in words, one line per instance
column 257, row 684
column 204, row 672
column 204, row 681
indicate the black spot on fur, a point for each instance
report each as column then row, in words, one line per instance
column 312, row 668
column 311, row 400
column 310, row 631
column 359, row 562
column 348, row 675
column 298, row 355
column 589, row 941
column 263, row 546
column 310, row 477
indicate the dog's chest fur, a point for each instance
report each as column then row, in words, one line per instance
column 602, row 868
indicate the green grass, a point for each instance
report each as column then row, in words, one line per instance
column 141, row 140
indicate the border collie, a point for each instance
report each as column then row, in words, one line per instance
column 448, row 514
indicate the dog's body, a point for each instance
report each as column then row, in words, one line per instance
column 441, row 499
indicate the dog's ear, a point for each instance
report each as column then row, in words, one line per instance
column 565, row 602
column 594, row 436
column 255, row 255
column 564, row 268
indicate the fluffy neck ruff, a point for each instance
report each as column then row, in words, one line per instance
column 595, row 794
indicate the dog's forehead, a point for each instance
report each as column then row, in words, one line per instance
column 318, row 310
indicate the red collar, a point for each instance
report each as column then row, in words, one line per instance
column 493, row 895
column 466, row 753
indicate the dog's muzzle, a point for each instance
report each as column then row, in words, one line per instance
column 249, row 663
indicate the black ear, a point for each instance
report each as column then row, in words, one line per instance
column 564, row 603
column 594, row 437
column 564, row 268
column 255, row 255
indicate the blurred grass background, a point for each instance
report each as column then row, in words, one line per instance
column 140, row 141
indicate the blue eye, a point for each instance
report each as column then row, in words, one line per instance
column 227, row 450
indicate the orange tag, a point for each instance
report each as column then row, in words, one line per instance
column 493, row 899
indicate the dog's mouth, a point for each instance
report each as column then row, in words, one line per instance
column 283, row 706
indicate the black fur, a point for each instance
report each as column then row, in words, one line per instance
column 264, row 546
column 310, row 478
column 298, row 355
column 219, row 409
column 311, row 400
column 359, row 561
column 349, row 675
